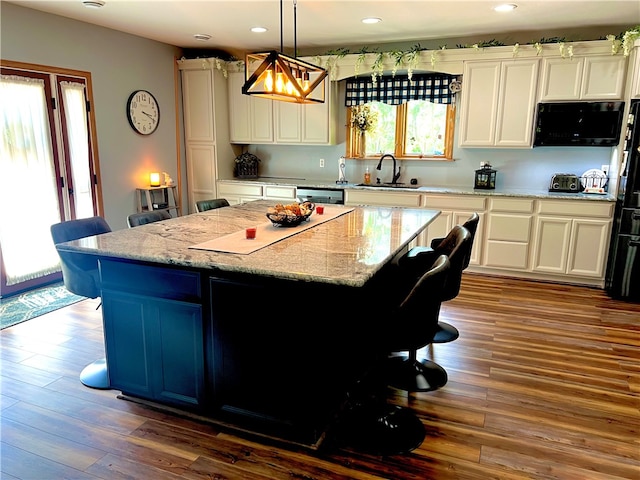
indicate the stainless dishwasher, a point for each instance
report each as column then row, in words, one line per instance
column 320, row 195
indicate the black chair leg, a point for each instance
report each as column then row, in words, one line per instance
column 370, row 425
column 446, row 333
column 413, row 375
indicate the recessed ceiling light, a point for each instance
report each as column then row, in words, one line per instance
column 203, row 37
column 93, row 3
column 258, row 29
column 371, row 20
column 505, row 7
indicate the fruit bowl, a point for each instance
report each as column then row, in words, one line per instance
column 290, row 215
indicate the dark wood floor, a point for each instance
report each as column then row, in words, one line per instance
column 544, row 383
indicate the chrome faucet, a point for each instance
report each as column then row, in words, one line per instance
column 396, row 175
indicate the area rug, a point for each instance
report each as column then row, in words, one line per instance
column 28, row 305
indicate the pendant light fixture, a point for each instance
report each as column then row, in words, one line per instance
column 284, row 78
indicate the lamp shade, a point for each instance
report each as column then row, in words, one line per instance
column 154, row 179
column 284, row 78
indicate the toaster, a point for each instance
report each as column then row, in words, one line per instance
column 564, row 182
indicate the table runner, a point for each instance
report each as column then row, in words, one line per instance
column 267, row 234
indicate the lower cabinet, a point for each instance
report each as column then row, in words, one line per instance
column 566, row 244
column 508, row 233
column 455, row 210
column 154, row 333
column 239, row 192
column 236, row 193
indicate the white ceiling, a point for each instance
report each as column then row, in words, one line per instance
column 328, row 24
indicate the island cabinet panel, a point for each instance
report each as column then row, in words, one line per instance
column 272, row 369
column 154, row 332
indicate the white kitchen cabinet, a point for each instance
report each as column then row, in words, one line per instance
column 383, row 198
column 250, row 118
column 498, row 103
column 598, row 77
column 455, row 210
column 206, row 131
column 255, row 120
column 634, row 70
column 237, row 192
column 572, row 238
column 280, row 193
column 508, row 233
column 312, row 124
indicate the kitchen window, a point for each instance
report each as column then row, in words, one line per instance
column 415, row 119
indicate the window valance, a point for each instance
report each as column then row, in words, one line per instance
column 394, row 90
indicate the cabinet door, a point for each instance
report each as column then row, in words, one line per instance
column 561, row 79
column 239, row 110
column 201, row 173
column 479, row 103
column 603, row 77
column 317, row 118
column 261, row 118
column 288, row 122
column 516, row 103
column 635, row 71
column 551, row 245
column 588, row 249
column 197, row 97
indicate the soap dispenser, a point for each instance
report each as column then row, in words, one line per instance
column 367, row 176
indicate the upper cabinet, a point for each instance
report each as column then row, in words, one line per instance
column 250, row 118
column 498, row 103
column 599, row 77
column 258, row 120
column 634, row 73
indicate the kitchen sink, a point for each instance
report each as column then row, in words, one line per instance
column 387, row 185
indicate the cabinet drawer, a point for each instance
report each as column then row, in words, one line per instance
column 136, row 279
column 523, row 205
column 506, row 254
column 580, row 209
column 443, row 202
column 239, row 189
column 511, row 228
column 390, row 199
column 271, row 191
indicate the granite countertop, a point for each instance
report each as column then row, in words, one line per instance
column 457, row 190
column 347, row 250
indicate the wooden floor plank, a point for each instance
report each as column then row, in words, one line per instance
column 544, row 383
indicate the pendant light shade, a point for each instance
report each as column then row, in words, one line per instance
column 284, row 78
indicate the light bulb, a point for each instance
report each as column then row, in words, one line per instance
column 268, row 80
column 280, row 82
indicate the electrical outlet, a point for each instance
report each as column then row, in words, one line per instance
column 322, row 163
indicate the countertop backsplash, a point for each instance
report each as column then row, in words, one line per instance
column 529, row 169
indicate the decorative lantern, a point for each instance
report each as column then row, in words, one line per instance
column 154, row 179
column 485, row 177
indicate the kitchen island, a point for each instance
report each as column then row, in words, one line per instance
column 268, row 342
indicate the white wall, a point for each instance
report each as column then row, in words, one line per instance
column 119, row 63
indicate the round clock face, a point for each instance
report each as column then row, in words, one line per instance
column 143, row 112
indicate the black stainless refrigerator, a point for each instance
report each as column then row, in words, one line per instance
column 623, row 269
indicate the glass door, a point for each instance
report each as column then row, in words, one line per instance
column 48, row 171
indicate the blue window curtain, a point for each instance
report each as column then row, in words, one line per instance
column 394, row 90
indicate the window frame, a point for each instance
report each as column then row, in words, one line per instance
column 354, row 139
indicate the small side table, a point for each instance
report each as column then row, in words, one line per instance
column 159, row 198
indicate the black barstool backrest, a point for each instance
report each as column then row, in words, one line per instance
column 79, row 272
column 204, row 205
column 142, row 218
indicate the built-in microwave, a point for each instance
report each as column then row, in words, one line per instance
column 589, row 124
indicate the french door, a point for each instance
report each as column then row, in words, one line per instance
column 48, row 168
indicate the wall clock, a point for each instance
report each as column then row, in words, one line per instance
column 143, row 112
